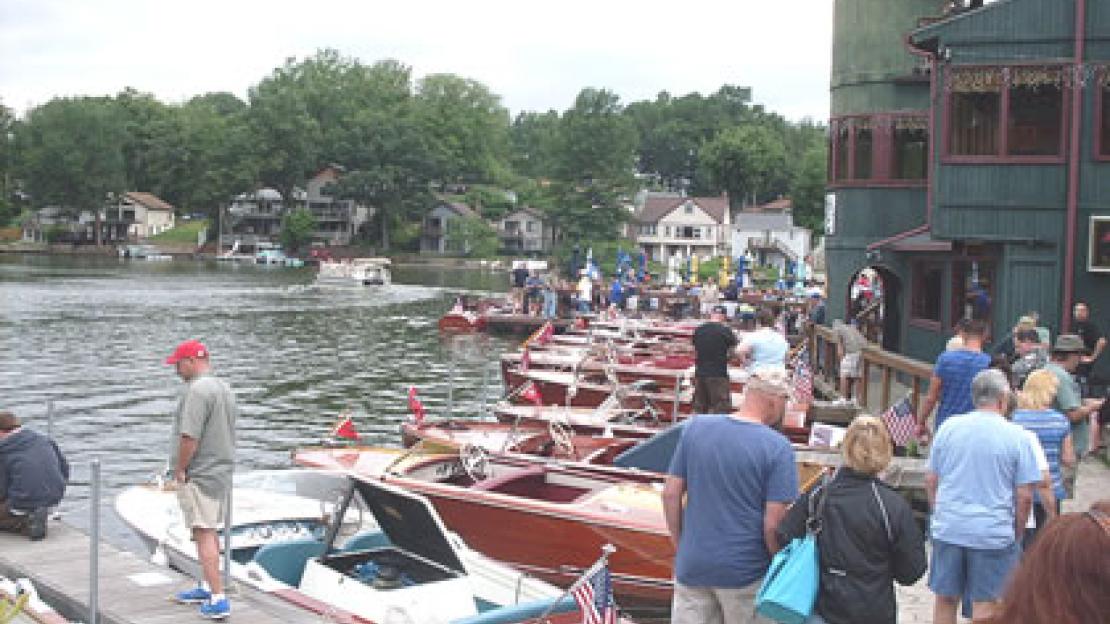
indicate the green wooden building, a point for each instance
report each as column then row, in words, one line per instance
column 970, row 163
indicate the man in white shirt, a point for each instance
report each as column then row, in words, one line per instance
column 765, row 346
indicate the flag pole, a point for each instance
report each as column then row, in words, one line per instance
column 606, row 550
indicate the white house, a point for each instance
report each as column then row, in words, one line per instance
column 148, row 213
column 433, row 235
column 665, row 227
column 768, row 234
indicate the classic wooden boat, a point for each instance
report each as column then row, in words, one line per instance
column 348, row 549
column 548, row 520
column 665, row 371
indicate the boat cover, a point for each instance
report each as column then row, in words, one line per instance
column 653, row 454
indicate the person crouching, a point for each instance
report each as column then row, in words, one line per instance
column 33, row 475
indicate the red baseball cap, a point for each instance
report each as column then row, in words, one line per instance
column 188, row 349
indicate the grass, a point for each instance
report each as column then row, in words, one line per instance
column 185, row 232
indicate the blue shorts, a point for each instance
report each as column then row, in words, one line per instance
column 977, row 573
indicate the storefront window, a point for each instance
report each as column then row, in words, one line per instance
column 1036, row 112
column 864, row 148
column 925, row 304
column 910, row 150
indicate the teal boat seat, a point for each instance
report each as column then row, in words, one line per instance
column 366, row 540
column 511, row 614
column 285, row 561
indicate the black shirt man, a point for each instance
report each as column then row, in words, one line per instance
column 714, row 343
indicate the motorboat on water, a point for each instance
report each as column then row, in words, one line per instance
column 143, row 252
column 354, row 272
column 351, row 548
column 20, row 604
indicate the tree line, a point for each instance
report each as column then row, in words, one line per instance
column 402, row 141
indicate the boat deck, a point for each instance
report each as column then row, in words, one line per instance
column 132, row 589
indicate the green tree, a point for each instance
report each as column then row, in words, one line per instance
column 748, row 161
column 466, row 127
column 807, row 188
column 297, row 228
column 472, row 236
column 144, row 120
column 534, row 138
column 491, row 203
column 72, row 154
column 8, row 209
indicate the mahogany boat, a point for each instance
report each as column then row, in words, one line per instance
column 665, row 371
column 549, row 520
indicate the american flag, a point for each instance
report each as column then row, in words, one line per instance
column 900, row 422
column 416, row 406
column 802, row 382
column 594, row 595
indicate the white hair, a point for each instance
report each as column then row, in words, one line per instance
column 989, row 387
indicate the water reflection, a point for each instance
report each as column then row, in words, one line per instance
column 91, row 335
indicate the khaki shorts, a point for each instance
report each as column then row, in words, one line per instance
column 715, row 605
column 198, row 509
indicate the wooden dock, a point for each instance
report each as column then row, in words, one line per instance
column 132, row 589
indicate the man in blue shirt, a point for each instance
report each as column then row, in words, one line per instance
column 952, row 375
column 738, row 476
column 981, row 474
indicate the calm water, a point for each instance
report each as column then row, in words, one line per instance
column 91, row 335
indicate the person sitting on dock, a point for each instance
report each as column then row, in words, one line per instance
column 33, row 475
column 203, row 459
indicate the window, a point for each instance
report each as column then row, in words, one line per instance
column 531, row 227
column 840, row 159
column 863, row 150
column 910, row 150
column 925, row 305
column 1036, row 107
column 972, row 290
column 667, row 230
column 689, row 208
column 1099, row 258
column 1006, row 112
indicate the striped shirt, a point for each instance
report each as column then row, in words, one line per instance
column 1051, row 428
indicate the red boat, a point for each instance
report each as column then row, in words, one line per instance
column 468, row 314
column 548, row 519
column 665, row 371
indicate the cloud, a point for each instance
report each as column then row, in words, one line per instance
column 536, row 56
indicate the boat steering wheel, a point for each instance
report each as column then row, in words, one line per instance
column 563, row 438
column 474, row 461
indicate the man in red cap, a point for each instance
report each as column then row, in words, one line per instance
column 202, row 456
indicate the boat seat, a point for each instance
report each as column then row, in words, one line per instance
column 493, row 483
column 644, row 385
column 365, row 540
column 285, row 561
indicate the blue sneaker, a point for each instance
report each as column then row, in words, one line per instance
column 216, row 610
column 196, row 595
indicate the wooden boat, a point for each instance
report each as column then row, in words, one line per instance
column 547, row 518
column 665, row 371
column 468, row 314
column 322, row 542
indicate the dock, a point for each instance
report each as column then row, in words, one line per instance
column 132, row 589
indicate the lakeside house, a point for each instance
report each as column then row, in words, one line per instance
column 525, row 231
column 970, row 164
column 255, row 218
column 674, row 226
column 436, row 224
column 135, row 216
column 767, row 234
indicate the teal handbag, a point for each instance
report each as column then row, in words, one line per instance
column 789, row 589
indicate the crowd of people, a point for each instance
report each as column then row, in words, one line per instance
column 1008, row 432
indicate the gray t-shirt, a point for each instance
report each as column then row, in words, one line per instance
column 853, row 340
column 206, row 412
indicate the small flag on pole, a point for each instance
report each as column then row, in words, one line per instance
column 345, row 428
column 900, row 422
column 531, row 394
column 594, row 595
column 416, row 406
column 546, row 332
column 802, row 382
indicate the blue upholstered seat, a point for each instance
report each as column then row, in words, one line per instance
column 285, row 561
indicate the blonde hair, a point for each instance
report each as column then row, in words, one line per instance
column 1039, row 390
column 867, row 446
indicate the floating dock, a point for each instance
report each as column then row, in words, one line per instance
column 132, row 589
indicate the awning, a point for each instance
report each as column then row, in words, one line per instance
column 887, row 242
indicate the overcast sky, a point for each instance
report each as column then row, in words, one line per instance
column 535, row 55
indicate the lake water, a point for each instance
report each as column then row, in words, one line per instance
column 91, row 335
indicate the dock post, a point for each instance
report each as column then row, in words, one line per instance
column 227, row 542
column 94, row 543
column 50, row 418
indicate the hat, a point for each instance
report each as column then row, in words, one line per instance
column 188, row 349
column 1069, row 343
column 771, row 380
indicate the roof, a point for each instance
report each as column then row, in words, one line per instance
column 655, row 208
column 781, row 204
column 150, row 200
column 526, row 210
column 459, row 208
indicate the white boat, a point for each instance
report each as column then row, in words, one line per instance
column 143, row 252
column 344, row 546
column 354, row 272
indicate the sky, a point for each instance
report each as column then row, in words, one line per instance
column 535, row 55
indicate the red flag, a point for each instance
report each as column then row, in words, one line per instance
column 345, row 429
column 546, row 332
column 415, row 406
column 530, row 393
column 525, row 360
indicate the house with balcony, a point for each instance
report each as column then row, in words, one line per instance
column 666, row 227
column 434, row 229
column 148, row 213
column 970, row 163
column 767, row 234
column 338, row 221
column 525, row 231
